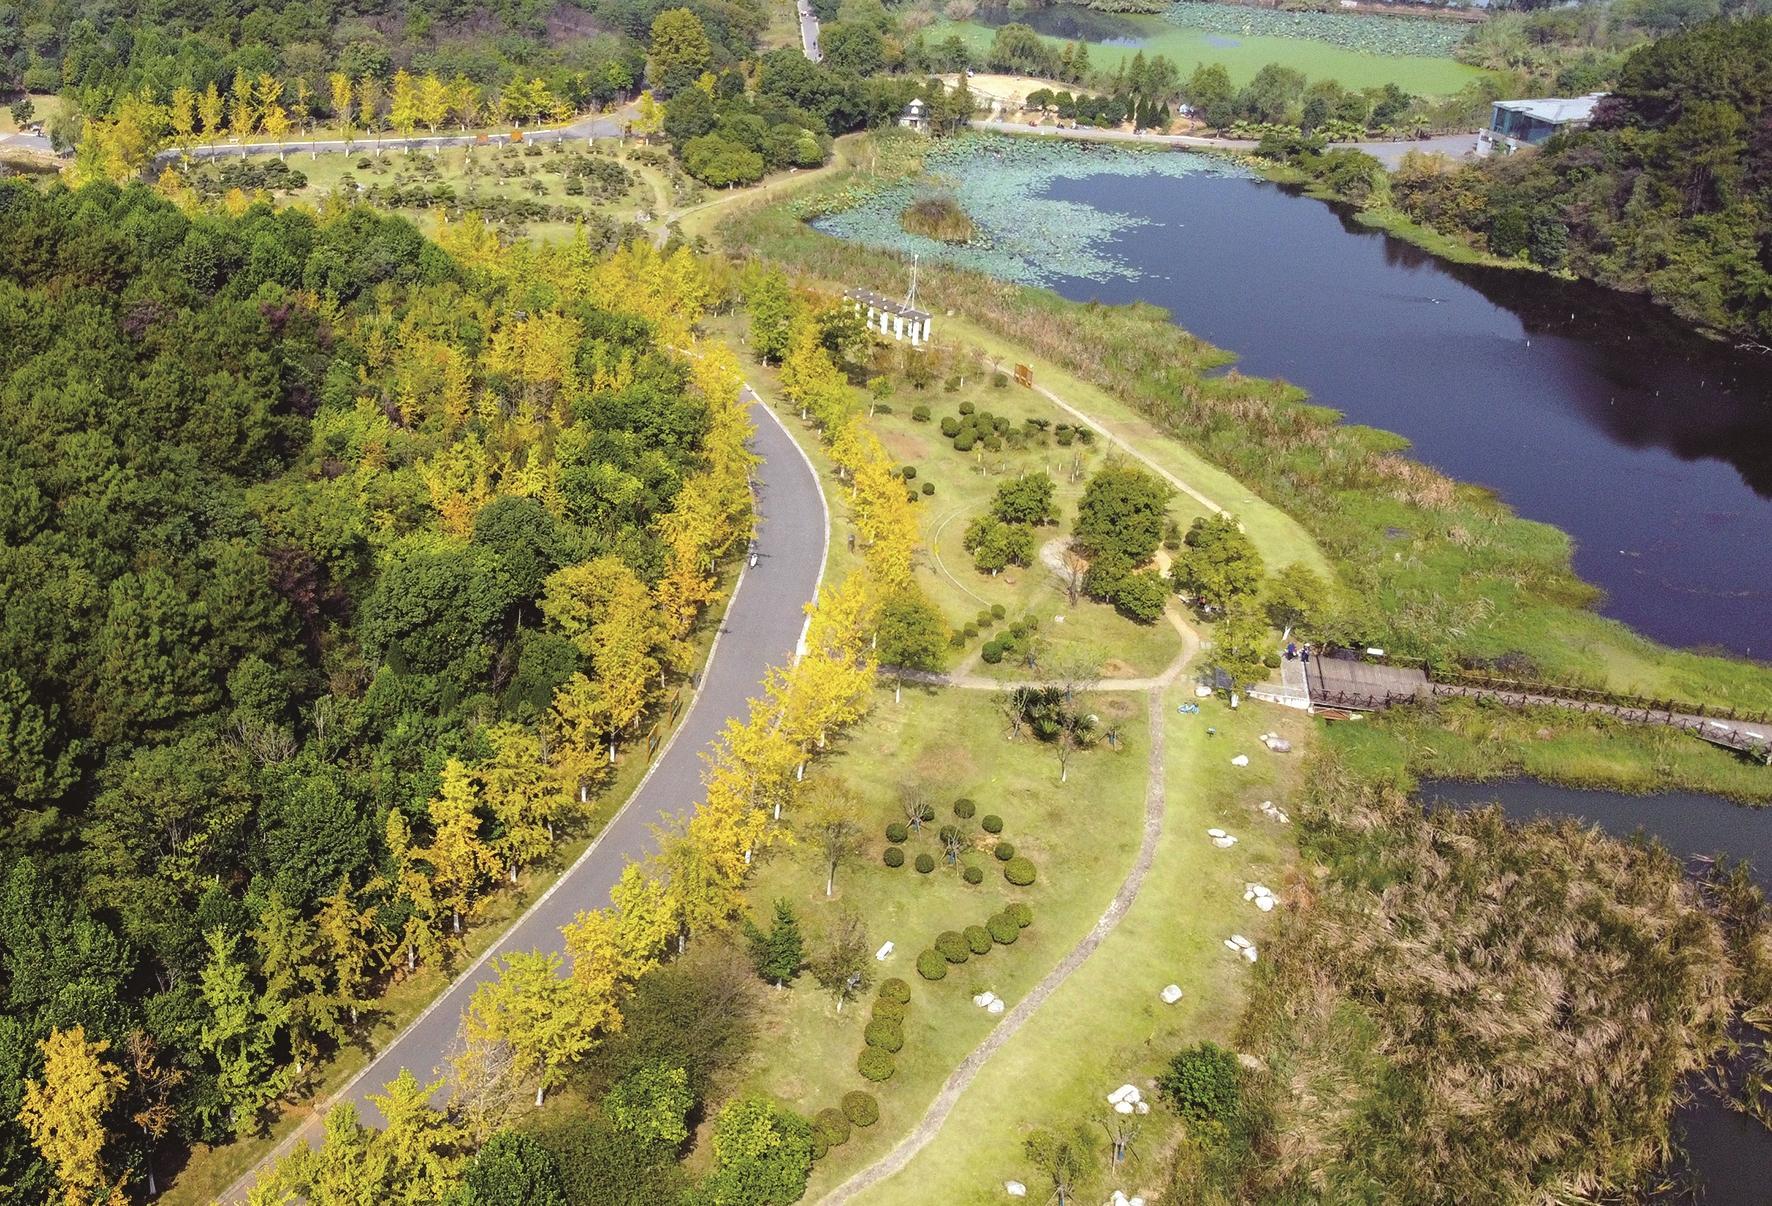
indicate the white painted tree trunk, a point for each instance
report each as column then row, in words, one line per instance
column 538, row 1093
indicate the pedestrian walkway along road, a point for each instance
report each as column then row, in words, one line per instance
column 762, row 627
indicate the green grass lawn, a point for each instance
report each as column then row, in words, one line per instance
column 1190, row 48
column 1082, row 838
column 1107, row 1025
column 44, row 106
column 491, row 176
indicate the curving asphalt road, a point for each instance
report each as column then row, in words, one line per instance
column 809, row 31
column 763, row 626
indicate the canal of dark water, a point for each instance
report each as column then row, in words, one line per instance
column 1583, row 408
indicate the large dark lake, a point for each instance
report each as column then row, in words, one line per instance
column 1726, row 1154
column 1581, row 407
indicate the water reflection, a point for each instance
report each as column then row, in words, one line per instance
column 1072, row 22
column 1584, row 408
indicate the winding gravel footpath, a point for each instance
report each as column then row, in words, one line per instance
column 959, row 1080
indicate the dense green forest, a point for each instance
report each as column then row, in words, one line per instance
column 335, row 567
column 1666, row 194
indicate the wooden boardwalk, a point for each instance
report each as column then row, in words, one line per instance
column 1350, row 683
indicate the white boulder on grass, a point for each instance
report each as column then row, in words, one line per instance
column 1144, row 1107
column 1231, row 945
column 995, row 1007
column 1202, row 692
column 1123, row 1107
column 1225, row 842
column 1215, row 833
column 1240, row 942
column 1240, row 760
column 1249, row 953
column 1172, row 994
column 1015, row 1189
column 983, row 1000
column 1265, row 903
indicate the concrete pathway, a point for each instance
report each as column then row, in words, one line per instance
column 962, row 1077
column 809, row 31
column 762, row 627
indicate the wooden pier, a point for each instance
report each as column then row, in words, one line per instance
column 1359, row 685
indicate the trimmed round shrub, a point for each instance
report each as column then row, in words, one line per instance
column 947, row 832
column 895, row 990
column 926, row 864
column 971, row 630
column 876, row 1064
column 1019, row 871
column 973, row 875
column 998, row 610
column 890, row 1011
column 897, row 831
column 1021, row 913
column 992, row 823
column 967, row 408
column 910, row 496
column 860, row 1108
column 919, row 414
column 951, row 945
column 964, row 808
column 984, row 617
column 884, row 1033
column 931, row 966
column 1003, row 929
column 894, row 856
column 979, row 939
column 957, row 641
column 950, row 427
column 964, row 441
column 992, row 653
column 833, row 1126
column 908, row 472
column 1004, row 851
column 928, row 489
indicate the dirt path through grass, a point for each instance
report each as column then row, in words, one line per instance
column 961, row 1077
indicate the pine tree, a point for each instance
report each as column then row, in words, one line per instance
column 779, row 953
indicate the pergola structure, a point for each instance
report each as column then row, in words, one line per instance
column 892, row 318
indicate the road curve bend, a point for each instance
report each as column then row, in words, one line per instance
column 763, row 625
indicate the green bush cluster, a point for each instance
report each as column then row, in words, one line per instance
column 885, row 1033
column 1004, row 851
column 897, row 831
column 1019, row 871
column 926, row 863
column 892, row 1011
column 1022, row 914
column 832, row 1126
column 1002, row 929
column 861, row 1108
column 992, row 823
column 1202, row 1082
column 973, row 875
column 952, row 946
column 894, row 856
column 965, row 808
column 931, row 966
column 895, row 990
column 979, row 939
column 875, row 1064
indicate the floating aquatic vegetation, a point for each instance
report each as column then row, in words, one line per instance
column 1374, row 34
column 1020, row 234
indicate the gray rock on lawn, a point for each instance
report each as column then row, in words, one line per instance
column 1015, row 1189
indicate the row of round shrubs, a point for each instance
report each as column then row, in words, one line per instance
column 884, row 1033
column 1013, row 641
column 830, row 1127
column 965, row 809
column 957, row 946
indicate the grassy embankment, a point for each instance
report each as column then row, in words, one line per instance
column 1107, row 1025
column 1191, row 900
column 1432, row 567
column 208, row 1171
column 488, row 176
column 1242, row 57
